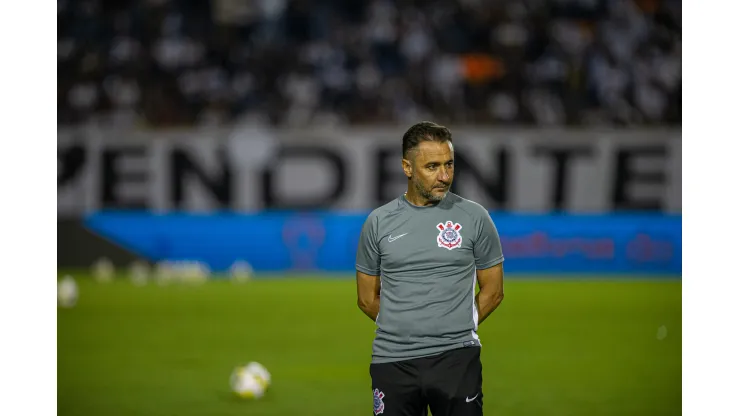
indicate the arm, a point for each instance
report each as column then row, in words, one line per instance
column 491, row 293
column 489, row 258
column 368, row 269
column 368, row 294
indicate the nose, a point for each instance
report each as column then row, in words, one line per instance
column 444, row 175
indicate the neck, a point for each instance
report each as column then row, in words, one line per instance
column 415, row 199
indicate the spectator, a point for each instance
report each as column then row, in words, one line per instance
column 296, row 62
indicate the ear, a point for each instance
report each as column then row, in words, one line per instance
column 408, row 168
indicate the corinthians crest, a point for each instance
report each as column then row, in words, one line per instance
column 378, row 405
column 449, row 235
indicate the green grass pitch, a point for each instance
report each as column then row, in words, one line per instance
column 554, row 347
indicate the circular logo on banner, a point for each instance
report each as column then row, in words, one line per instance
column 303, row 236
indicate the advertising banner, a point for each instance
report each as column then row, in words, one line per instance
column 320, row 241
column 247, row 170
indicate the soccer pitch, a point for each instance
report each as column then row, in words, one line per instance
column 554, row 347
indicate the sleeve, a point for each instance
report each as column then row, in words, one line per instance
column 487, row 248
column 368, row 254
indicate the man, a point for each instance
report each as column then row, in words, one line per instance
column 418, row 261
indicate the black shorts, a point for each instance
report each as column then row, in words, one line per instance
column 449, row 384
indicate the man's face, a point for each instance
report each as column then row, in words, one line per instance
column 431, row 168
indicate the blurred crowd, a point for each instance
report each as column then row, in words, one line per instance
column 165, row 63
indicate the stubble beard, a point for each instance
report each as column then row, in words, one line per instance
column 427, row 193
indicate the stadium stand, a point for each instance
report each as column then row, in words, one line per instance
column 165, row 63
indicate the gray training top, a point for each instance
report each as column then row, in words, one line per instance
column 426, row 258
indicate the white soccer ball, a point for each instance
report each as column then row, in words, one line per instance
column 194, row 272
column 67, row 292
column 250, row 381
column 241, row 271
column 139, row 273
column 103, row 270
column 165, row 272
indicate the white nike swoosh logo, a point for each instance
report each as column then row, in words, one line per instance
column 392, row 239
column 468, row 400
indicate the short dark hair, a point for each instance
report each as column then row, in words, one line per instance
column 424, row 131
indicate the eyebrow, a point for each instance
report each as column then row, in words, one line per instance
column 435, row 163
